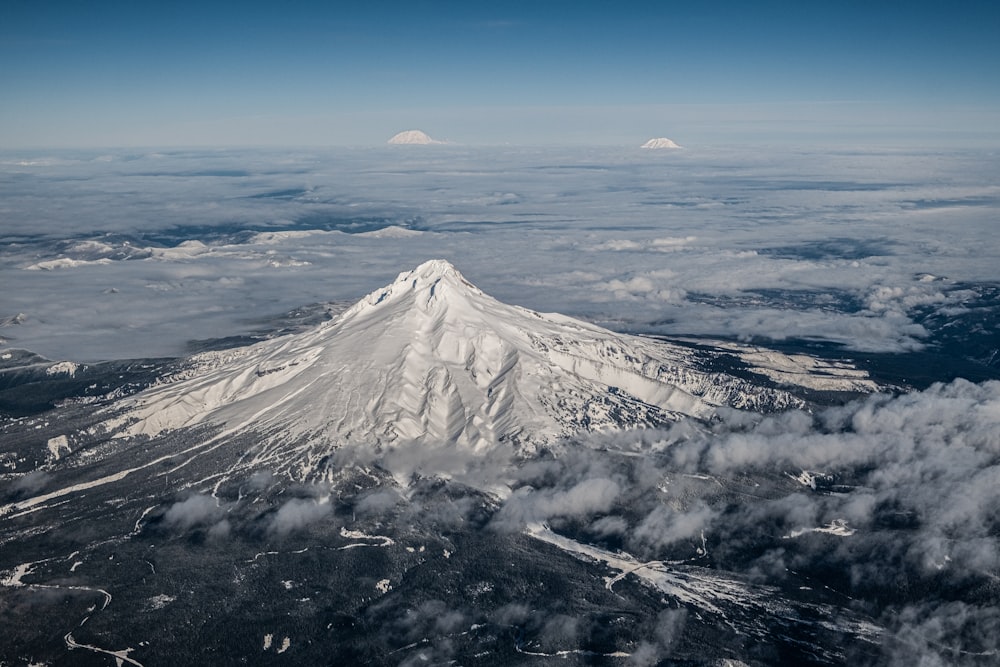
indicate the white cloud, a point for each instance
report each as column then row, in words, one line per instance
column 193, row 511
column 296, row 514
column 916, row 491
column 585, row 498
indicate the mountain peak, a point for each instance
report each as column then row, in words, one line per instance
column 432, row 269
column 660, row 142
column 412, row 137
column 434, row 283
column 431, row 360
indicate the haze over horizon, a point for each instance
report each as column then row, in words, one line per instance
column 112, row 74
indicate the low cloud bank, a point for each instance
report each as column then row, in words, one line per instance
column 892, row 500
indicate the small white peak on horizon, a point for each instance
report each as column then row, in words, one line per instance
column 413, row 138
column 660, row 142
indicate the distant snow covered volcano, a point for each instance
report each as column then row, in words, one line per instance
column 413, row 137
column 660, row 142
column 431, row 358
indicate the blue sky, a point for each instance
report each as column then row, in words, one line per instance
column 134, row 73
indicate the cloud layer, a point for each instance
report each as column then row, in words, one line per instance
column 889, row 500
column 147, row 250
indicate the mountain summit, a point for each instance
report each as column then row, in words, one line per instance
column 660, row 142
column 431, row 359
column 412, row 138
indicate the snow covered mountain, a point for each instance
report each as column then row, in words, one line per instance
column 412, row 137
column 660, row 142
column 402, row 463
column 430, row 358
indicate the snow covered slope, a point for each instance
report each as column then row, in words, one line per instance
column 431, row 358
